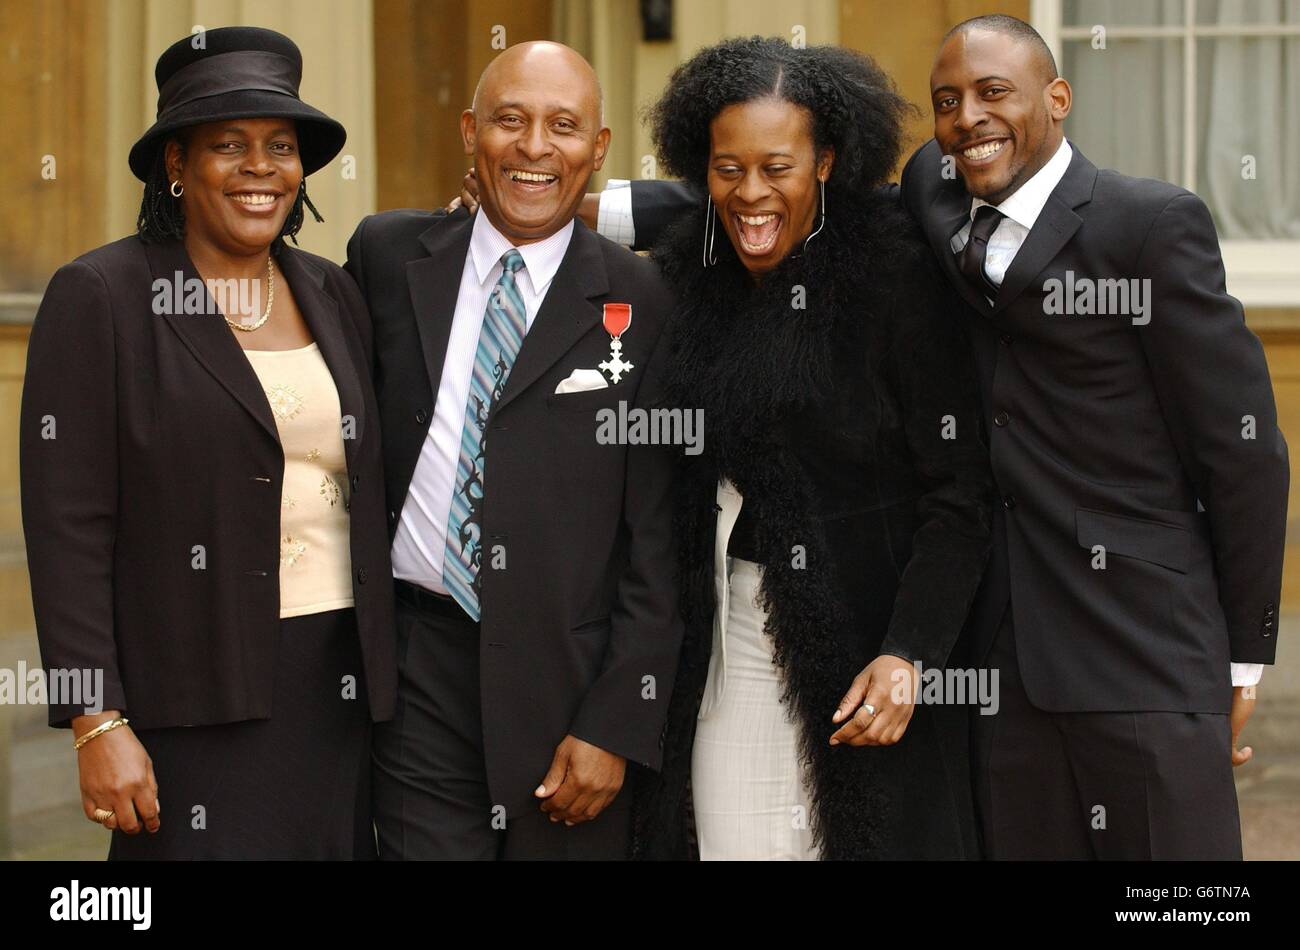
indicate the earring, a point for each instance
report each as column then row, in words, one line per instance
column 177, row 189
column 820, row 224
column 710, row 232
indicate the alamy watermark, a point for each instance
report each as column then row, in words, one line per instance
column 56, row 687
column 638, row 426
column 180, row 295
column 949, row 687
column 77, row 902
column 1087, row 296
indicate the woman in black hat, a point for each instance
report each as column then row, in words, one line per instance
column 202, row 488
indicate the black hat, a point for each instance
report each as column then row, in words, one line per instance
column 236, row 72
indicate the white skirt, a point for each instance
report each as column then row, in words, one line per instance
column 750, row 800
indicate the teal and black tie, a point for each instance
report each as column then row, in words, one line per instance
column 504, row 325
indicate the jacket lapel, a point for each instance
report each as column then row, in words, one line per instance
column 1055, row 226
column 207, row 336
column 434, row 284
column 321, row 311
column 567, row 313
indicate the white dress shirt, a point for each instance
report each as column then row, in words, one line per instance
column 421, row 539
column 614, row 219
column 1022, row 209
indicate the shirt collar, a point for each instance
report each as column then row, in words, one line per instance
column 542, row 258
column 1026, row 203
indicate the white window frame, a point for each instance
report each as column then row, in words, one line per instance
column 1260, row 273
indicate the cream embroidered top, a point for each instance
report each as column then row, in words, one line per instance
column 315, row 558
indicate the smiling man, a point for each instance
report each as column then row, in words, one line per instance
column 537, row 624
column 1138, row 547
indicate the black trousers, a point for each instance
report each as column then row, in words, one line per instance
column 1121, row 786
column 431, row 798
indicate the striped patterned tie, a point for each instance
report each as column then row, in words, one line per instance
column 498, row 345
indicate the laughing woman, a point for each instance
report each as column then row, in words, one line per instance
column 834, row 530
column 201, row 487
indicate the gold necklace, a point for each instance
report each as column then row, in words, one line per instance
column 270, row 301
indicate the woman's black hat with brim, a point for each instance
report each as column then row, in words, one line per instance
column 235, row 72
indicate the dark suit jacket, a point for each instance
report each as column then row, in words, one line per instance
column 580, row 632
column 657, row 204
column 164, row 441
column 1106, row 433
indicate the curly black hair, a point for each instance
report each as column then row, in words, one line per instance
column 161, row 218
column 855, row 107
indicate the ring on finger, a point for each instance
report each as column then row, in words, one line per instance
column 102, row 815
column 871, row 710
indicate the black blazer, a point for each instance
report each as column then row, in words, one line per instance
column 1106, row 433
column 163, row 442
column 580, row 634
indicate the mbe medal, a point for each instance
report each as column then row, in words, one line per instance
column 618, row 317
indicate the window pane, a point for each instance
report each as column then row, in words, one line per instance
column 1234, row 12
column 1128, row 106
column 1122, row 13
column 1248, row 152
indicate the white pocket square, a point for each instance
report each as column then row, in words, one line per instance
column 581, row 380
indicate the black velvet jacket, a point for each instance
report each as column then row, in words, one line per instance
column 840, row 399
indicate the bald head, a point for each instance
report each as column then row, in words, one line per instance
column 1039, row 53
column 536, row 133
column 545, row 57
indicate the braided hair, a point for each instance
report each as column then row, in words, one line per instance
column 161, row 218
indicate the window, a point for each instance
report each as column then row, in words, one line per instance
column 1202, row 93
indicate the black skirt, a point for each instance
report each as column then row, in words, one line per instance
column 295, row 786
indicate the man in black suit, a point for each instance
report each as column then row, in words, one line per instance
column 537, row 625
column 1132, row 593
column 1134, row 440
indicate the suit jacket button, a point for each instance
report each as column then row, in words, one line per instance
column 356, row 481
column 361, row 575
column 421, row 416
column 1001, row 419
column 1009, row 502
column 1005, row 339
column 392, row 517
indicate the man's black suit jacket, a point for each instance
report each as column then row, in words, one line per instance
column 580, row 630
column 1151, row 440
column 1104, row 436
column 657, row 204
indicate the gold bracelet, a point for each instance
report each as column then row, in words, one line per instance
column 99, row 730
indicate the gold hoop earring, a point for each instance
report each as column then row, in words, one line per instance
column 177, row 189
